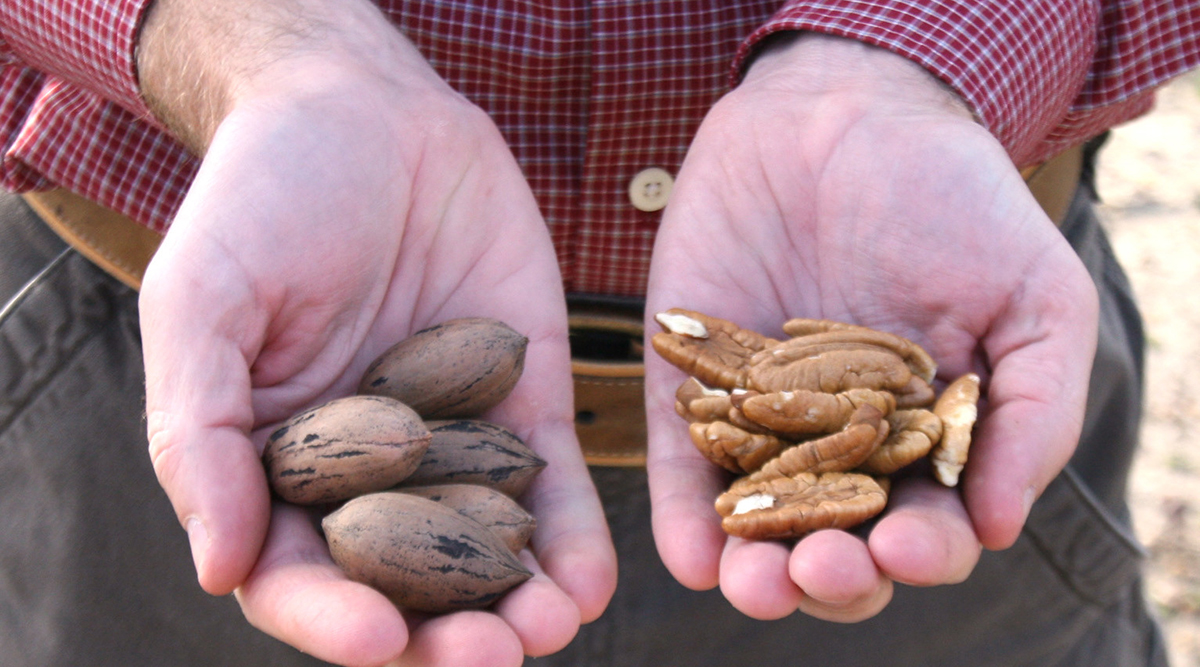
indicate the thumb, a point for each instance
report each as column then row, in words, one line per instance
column 1042, row 359
column 199, row 414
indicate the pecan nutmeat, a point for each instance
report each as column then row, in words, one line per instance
column 784, row 507
column 815, row 422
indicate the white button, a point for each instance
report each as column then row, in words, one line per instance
column 650, row 188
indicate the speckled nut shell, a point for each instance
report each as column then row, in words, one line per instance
column 344, row 448
column 459, row 368
column 470, row 451
column 421, row 554
column 501, row 514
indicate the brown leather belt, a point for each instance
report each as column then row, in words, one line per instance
column 112, row 241
column 606, row 334
column 606, row 359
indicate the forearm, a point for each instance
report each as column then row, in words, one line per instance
column 198, row 60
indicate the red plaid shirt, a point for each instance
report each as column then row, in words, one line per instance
column 589, row 94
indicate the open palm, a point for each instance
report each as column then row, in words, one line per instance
column 322, row 228
column 841, row 182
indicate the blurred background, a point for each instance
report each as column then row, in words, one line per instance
column 1149, row 181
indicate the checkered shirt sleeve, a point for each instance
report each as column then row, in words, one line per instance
column 71, row 114
column 1042, row 75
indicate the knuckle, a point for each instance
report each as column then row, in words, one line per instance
column 166, row 446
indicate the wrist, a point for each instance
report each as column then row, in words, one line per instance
column 849, row 73
column 198, row 62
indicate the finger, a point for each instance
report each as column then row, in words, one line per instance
column 198, row 414
column 1042, row 355
column 683, row 485
column 572, row 542
column 462, row 639
column 861, row 610
column 926, row 537
column 298, row 595
column 754, row 578
column 839, row 577
column 543, row 617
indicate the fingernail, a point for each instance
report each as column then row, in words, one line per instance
column 198, row 539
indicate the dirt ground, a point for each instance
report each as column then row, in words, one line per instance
column 1150, row 182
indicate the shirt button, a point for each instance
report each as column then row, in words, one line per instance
column 650, row 188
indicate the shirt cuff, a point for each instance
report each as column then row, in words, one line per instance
column 89, row 44
column 1018, row 64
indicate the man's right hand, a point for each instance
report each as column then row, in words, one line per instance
column 347, row 198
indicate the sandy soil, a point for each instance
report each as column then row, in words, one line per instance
column 1150, row 182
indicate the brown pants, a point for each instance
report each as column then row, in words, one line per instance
column 95, row 570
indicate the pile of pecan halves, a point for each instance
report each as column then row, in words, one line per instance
column 816, row 423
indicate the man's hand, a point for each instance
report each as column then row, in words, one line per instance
column 347, row 198
column 841, row 181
